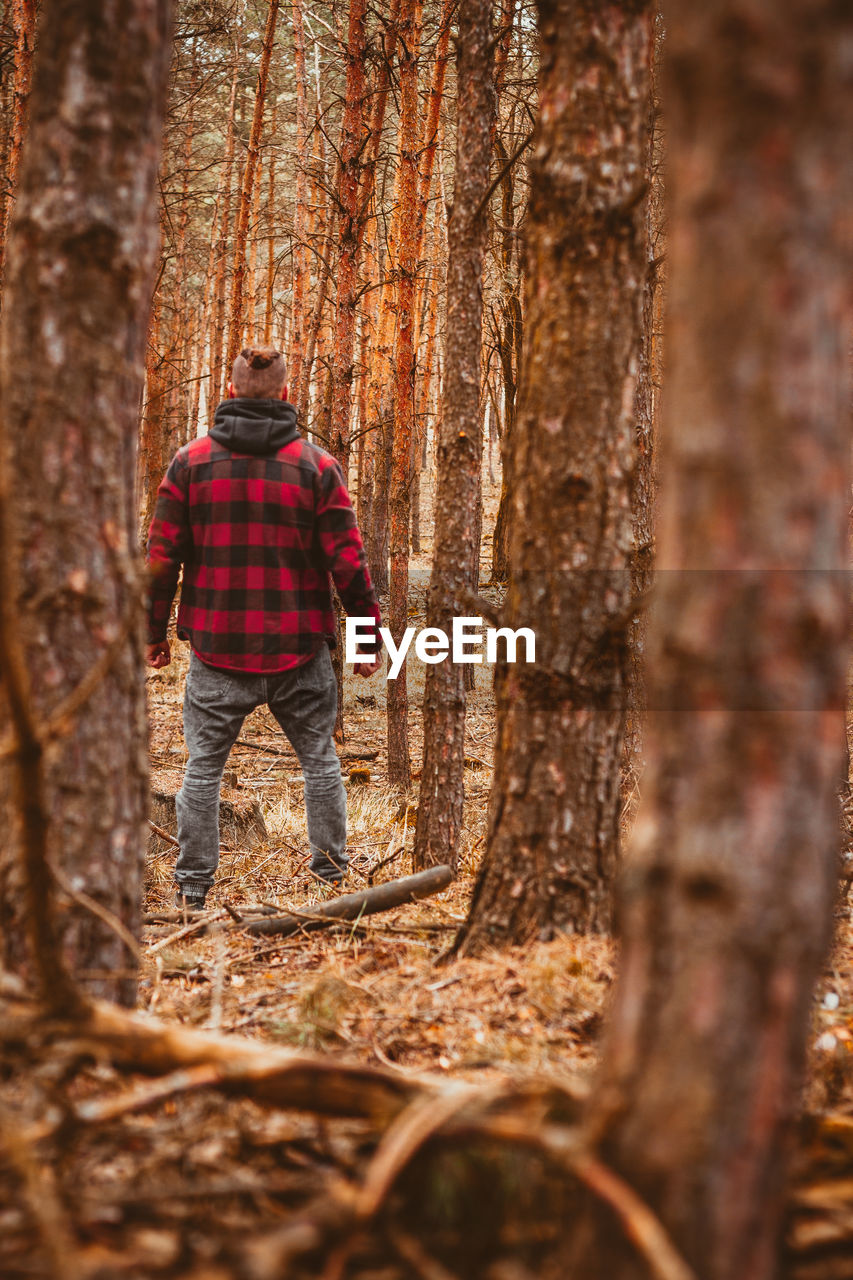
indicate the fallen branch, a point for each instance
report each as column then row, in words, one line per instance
column 354, row 906
column 243, row 1067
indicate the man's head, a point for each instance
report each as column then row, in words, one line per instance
column 259, row 373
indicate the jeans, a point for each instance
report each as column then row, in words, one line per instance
column 304, row 702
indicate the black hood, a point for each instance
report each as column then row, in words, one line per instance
column 261, row 427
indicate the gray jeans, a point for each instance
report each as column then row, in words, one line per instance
column 216, row 702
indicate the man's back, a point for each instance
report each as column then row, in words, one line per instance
column 259, row 517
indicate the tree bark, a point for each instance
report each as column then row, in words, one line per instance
column 644, row 481
column 82, row 248
column 153, row 448
column 349, row 235
column 511, row 326
column 237, row 320
column 727, row 907
column 270, row 283
column 554, row 815
column 217, row 380
column 399, row 763
column 301, row 270
column 456, row 544
column 24, row 26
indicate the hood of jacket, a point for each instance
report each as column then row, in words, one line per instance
column 261, row 427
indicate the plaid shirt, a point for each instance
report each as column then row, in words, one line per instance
column 258, row 537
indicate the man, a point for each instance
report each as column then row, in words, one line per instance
column 259, row 519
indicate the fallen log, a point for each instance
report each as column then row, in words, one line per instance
column 354, row 906
column 268, row 1074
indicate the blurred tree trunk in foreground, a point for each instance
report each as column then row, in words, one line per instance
column 460, row 445
column 728, row 893
column 82, row 246
column 554, row 819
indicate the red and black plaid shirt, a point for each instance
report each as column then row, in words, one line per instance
column 258, row 537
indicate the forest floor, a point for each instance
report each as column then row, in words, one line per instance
column 196, row 1186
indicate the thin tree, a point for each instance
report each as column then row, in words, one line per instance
column 554, row 816
column 216, row 381
column 727, row 909
column 81, row 255
column 399, row 763
column 456, row 544
column 301, row 269
column 349, row 234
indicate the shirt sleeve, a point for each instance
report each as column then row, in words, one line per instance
column 168, row 543
column 343, row 550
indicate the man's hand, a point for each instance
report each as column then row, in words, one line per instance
column 369, row 667
column 158, row 655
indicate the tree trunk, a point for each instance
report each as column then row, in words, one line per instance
column 349, row 235
column 82, row 248
column 554, row 817
column 237, row 321
column 727, row 909
column 510, row 335
column 301, row 270
column 24, row 26
column 379, row 416
column 643, row 482
column 399, row 764
column 216, row 382
column 455, row 543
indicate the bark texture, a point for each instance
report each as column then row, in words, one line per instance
column 456, row 541
column 350, row 234
column 82, row 246
column 729, row 890
column 399, row 763
column 237, row 322
column 24, row 26
column 301, row 269
column 554, row 816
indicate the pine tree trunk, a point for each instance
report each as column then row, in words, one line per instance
column 554, row 818
column 399, row 764
column 81, row 255
column 727, row 907
column 455, row 543
column 24, row 26
column 153, row 452
column 217, row 378
column 301, row 269
column 510, row 336
column 379, row 411
column 236, row 327
column 250, row 301
column 270, row 284
column 349, row 235
column 643, row 483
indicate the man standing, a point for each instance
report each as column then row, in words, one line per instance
column 259, row 519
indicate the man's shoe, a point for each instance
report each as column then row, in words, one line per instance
column 188, row 902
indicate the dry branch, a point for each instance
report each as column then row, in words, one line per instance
column 266, row 1074
column 354, row 906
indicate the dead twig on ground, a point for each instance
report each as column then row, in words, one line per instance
column 164, row 835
